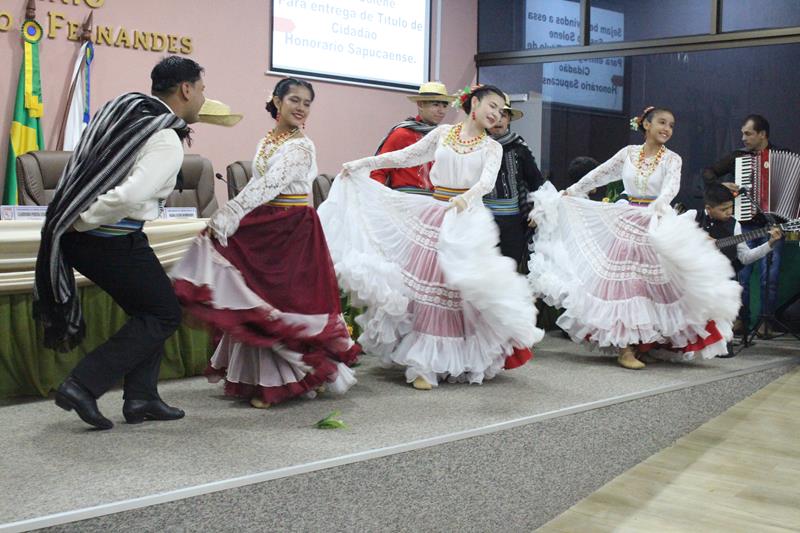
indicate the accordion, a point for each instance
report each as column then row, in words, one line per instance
column 773, row 179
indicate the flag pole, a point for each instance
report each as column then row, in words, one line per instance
column 86, row 36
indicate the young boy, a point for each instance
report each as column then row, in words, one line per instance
column 717, row 220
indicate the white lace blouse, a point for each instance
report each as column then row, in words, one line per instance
column 663, row 184
column 290, row 170
column 476, row 170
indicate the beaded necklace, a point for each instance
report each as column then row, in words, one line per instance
column 274, row 142
column 453, row 140
column 644, row 170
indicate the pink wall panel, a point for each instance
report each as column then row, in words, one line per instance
column 230, row 40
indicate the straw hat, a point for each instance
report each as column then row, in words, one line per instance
column 215, row 112
column 516, row 114
column 432, row 91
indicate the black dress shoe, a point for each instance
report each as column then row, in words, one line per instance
column 71, row 395
column 137, row 411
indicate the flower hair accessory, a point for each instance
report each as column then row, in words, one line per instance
column 636, row 122
column 463, row 95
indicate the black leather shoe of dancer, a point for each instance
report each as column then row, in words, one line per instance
column 71, row 395
column 137, row 411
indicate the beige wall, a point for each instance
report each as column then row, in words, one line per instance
column 231, row 42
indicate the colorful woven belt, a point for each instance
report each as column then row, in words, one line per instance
column 445, row 193
column 641, row 200
column 125, row 226
column 415, row 190
column 289, row 200
column 502, row 206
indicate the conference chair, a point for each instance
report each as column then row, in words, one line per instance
column 320, row 188
column 238, row 174
column 38, row 174
column 198, row 186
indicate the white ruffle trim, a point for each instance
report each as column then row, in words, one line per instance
column 370, row 231
column 563, row 269
column 271, row 367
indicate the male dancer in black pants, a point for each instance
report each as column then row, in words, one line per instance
column 125, row 165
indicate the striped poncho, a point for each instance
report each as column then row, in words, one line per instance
column 102, row 160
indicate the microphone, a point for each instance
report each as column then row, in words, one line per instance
column 742, row 191
column 223, row 180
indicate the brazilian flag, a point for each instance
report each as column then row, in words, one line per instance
column 26, row 131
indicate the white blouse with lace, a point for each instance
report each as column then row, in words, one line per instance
column 476, row 170
column 663, row 184
column 290, row 170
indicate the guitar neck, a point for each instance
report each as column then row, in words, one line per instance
column 724, row 242
column 742, row 237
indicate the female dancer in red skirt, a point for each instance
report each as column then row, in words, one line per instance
column 262, row 273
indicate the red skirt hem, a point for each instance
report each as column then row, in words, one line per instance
column 714, row 336
column 519, row 357
column 254, row 327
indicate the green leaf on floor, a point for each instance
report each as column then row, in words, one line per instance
column 332, row 421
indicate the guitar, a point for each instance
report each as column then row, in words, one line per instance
column 792, row 225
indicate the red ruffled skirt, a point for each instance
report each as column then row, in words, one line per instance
column 273, row 296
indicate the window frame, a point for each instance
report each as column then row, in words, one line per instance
column 715, row 39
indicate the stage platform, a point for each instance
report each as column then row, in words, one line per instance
column 563, row 423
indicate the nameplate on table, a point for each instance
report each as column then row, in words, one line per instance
column 23, row 212
column 173, row 213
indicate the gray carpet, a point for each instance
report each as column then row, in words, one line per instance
column 514, row 480
column 50, row 463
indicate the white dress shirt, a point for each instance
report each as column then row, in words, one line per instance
column 151, row 180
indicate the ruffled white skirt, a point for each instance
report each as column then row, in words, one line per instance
column 440, row 298
column 626, row 276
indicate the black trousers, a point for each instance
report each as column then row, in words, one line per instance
column 513, row 236
column 128, row 270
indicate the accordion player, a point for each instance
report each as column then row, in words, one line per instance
column 772, row 178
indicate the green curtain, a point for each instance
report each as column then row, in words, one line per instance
column 27, row 368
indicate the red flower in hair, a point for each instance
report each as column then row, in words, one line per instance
column 465, row 93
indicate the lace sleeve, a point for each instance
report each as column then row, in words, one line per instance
column 420, row 152
column 609, row 171
column 491, row 166
column 293, row 165
column 671, row 184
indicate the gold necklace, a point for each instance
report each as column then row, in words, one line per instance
column 274, row 142
column 644, row 170
column 453, row 139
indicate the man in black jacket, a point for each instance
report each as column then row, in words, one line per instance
column 518, row 176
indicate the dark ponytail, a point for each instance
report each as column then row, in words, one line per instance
column 282, row 89
column 637, row 123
